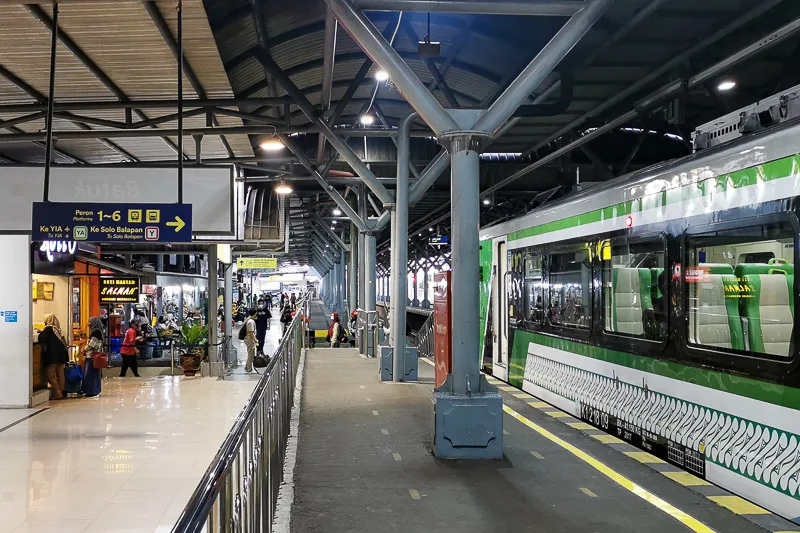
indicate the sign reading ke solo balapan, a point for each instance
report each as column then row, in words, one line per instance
column 108, row 223
column 119, row 290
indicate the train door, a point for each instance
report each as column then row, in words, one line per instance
column 500, row 310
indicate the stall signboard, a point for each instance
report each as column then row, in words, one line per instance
column 119, row 290
column 259, row 263
column 106, row 223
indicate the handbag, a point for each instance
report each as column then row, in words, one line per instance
column 260, row 361
column 100, row 361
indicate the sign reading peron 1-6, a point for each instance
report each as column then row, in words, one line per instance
column 112, row 222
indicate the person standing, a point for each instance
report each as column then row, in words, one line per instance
column 293, row 299
column 128, row 350
column 54, row 355
column 263, row 317
column 335, row 330
column 250, row 340
column 92, row 376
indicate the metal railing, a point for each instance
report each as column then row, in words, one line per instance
column 425, row 338
column 239, row 491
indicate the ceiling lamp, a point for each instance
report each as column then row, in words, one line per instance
column 381, row 75
column 337, row 212
column 367, row 120
column 283, row 188
column 726, row 85
column 486, row 201
column 272, row 145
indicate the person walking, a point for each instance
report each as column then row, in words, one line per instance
column 128, row 350
column 55, row 355
column 286, row 317
column 250, row 339
column 293, row 299
column 263, row 316
column 92, row 377
column 335, row 330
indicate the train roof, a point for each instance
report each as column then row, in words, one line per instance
column 762, row 147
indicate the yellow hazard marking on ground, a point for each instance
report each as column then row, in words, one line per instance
column 607, row 439
column 428, row 361
column 320, row 333
column 375, row 413
column 557, row 414
column 537, row 455
column 686, row 519
column 738, row 505
column 539, row 405
column 686, row 479
column 414, row 493
column 580, row 425
column 508, row 389
column 521, row 395
column 397, row 457
column 644, row 457
column 588, row 492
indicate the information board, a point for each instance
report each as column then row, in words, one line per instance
column 257, row 263
column 119, row 290
column 105, row 223
column 438, row 240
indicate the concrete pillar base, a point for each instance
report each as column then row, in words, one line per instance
column 411, row 361
column 468, row 426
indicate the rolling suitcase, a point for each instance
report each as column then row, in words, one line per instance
column 73, row 376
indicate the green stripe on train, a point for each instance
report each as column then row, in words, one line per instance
column 734, row 384
column 780, row 168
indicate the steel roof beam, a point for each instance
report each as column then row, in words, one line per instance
column 194, row 81
column 382, row 118
column 327, row 229
column 39, row 14
column 679, row 59
column 659, row 96
column 328, row 63
column 551, row 8
column 139, row 104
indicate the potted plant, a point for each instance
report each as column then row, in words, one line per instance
column 194, row 340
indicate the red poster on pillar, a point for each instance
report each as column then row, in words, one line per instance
column 442, row 347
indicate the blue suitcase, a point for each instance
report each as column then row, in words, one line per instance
column 73, row 375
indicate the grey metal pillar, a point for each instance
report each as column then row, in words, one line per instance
column 369, row 290
column 400, row 252
column 228, row 304
column 340, row 284
column 352, row 297
column 211, row 306
column 362, row 295
column 465, row 216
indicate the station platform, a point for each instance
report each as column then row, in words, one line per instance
column 126, row 461
column 364, row 464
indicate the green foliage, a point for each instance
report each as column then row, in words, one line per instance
column 194, row 335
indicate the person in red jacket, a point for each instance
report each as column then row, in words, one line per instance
column 128, row 350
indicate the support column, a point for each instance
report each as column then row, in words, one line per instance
column 211, row 306
column 468, row 411
column 369, row 290
column 340, row 284
column 228, row 303
column 352, row 298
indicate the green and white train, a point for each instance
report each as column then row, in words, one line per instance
column 660, row 307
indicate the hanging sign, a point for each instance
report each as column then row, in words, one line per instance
column 257, row 263
column 438, row 240
column 104, row 223
column 119, row 290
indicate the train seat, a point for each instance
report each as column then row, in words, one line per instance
column 631, row 296
column 716, row 320
column 767, row 307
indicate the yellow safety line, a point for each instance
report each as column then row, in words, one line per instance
column 689, row 521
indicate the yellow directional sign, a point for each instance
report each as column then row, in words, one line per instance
column 257, row 262
column 178, row 224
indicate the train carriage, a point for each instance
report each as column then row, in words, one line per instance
column 660, row 307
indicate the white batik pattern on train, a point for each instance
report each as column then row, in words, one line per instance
column 764, row 454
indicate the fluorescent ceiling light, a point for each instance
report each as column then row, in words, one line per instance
column 272, row 145
column 283, row 188
column 367, row 120
column 337, row 212
column 726, row 85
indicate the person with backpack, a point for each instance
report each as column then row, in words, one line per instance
column 286, row 316
column 263, row 316
column 336, row 333
column 54, row 355
column 248, row 334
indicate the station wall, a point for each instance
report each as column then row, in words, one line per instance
column 15, row 328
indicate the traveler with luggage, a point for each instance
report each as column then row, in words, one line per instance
column 54, row 355
column 94, row 359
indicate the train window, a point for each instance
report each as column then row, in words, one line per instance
column 534, row 289
column 571, row 289
column 634, row 288
column 740, row 284
column 514, row 287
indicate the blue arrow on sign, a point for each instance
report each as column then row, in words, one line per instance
column 109, row 223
